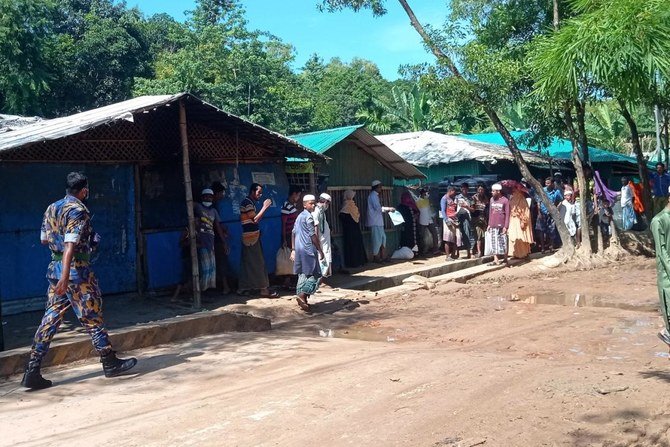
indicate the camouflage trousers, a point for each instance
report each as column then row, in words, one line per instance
column 86, row 301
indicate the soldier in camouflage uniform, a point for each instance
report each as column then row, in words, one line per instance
column 66, row 229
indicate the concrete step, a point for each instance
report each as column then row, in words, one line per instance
column 164, row 331
column 375, row 281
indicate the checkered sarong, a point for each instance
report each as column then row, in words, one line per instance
column 495, row 242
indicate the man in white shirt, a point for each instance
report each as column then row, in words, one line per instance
column 375, row 220
column 323, row 232
column 426, row 223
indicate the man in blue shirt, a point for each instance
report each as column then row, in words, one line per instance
column 545, row 226
column 660, row 181
column 375, row 220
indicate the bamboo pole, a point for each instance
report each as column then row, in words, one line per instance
column 189, row 205
column 139, row 240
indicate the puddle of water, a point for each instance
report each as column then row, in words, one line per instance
column 363, row 334
column 580, row 300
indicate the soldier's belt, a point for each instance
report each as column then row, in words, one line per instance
column 58, row 256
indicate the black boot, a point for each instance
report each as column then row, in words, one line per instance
column 33, row 379
column 114, row 366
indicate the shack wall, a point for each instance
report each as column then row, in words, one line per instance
column 28, row 188
column 164, row 214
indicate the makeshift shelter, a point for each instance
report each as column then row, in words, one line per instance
column 356, row 159
column 146, row 158
column 441, row 156
column 611, row 165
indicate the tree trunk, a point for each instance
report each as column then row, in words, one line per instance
column 556, row 15
column 568, row 245
column 614, row 238
column 581, row 181
column 580, row 107
column 601, row 242
column 641, row 162
column 666, row 136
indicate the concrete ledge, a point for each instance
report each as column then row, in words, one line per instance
column 396, row 279
column 136, row 337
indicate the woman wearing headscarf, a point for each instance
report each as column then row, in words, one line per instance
column 520, row 230
column 410, row 213
column 350, row 216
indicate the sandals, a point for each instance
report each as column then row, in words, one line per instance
column 270, row 294
column 302, row 302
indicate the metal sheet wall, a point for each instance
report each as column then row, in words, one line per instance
column 351, row 166
column 27, row 190
column 164, row 213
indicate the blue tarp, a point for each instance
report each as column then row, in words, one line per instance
column 558, row 148
column 28, row 189
column 164, row 214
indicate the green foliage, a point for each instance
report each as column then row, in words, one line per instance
column 63, row 56
column 337, row 91
column 613, row 48
column 25, row 34
column 376, row 6
column 406, row 111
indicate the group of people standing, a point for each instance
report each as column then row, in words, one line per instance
column 304, row 231
column 484, row 223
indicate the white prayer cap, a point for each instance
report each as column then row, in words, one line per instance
column 207, row 191
column 376, row 183
column 308, row 197
column 568, row 192
column 325, row 196
column 496, row 187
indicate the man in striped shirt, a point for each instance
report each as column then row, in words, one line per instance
column 253, row 275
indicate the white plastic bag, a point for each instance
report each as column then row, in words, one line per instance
column 403, row 253
column 284, row 263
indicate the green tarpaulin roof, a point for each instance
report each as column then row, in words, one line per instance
column 323, row 140
column 558, row 149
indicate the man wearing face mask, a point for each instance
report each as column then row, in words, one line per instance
column 323, row 233
column 66, row 229
column 207, row 224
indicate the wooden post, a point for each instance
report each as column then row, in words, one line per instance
column 189, row 205
column 2, row 336
column 312, row 181
column 139, row 239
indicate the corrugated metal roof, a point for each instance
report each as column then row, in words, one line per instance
column 66, row 126
column 13, row 122
column 426, row 149
column 323, row 140
column 559, row 148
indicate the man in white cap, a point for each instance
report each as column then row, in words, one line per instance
column 207, row 224
column 306, row 253
column 375, row 220
column 323, row 232
column 498, row 224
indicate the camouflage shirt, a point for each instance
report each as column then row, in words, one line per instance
column 68, row 220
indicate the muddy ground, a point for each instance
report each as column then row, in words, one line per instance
column 526, row 356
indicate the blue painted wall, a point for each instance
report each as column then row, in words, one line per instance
column 27, row 189
column 164, row 214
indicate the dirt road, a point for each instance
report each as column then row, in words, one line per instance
column 460, row 365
